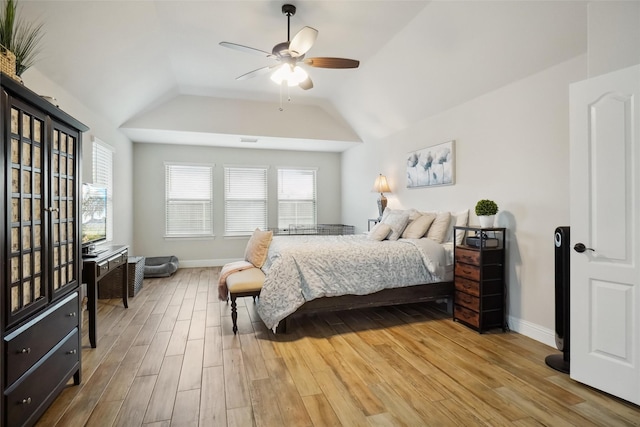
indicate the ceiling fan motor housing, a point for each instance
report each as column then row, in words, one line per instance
column 288, row 9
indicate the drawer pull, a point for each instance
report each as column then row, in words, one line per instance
column 26, row 401
column 72, row 314
column 74, row 351
column 26, row 350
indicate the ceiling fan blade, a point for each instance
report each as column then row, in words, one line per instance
column 247, row 49
column 302, row 41
column 306, row 84
column 332, row 62
column 250, row 74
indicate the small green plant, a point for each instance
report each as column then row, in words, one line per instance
column 486, row 207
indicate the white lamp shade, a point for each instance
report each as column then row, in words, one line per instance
column 381, row 185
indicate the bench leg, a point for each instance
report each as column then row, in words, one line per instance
column 234, row 314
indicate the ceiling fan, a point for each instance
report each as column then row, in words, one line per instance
column 290, row 54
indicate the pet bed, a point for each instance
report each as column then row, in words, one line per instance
column 161, row 266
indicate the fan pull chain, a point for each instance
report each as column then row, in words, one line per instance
column 281, row 85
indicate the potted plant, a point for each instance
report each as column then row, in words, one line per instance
column 486, row 211
column 20, row 37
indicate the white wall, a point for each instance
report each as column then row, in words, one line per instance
column 107, row 132
column 614, row 36
column 149, row 197
column 512, row 146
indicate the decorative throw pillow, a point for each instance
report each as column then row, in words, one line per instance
column 397, row 220
column 460, row 219
column 387, row 212
column 439, row 228
column 418, row 227
column 258, row 247
column 380, row 231
column 414, row 214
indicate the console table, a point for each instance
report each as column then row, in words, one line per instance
column 97, row 268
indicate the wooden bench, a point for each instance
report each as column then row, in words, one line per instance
column 245, row 283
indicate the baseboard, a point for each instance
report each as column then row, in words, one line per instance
column 533, row 331
column 198, row 263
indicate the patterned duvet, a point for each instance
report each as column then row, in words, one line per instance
column 302, row 268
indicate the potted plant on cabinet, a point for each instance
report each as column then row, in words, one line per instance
column 18, row 36
column 486, row 211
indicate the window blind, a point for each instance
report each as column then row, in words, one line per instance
column 189, row 200
column 103, row 176
column 245, row 199
column 296, row 197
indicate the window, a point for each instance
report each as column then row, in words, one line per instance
column 245, row 199
column 103, row 176
column 189, row 200
column 296, row 197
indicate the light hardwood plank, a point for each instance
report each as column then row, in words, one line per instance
column 164, row 393
column 320, row 411
column 135, row 404
column 186, row 411
column 213, row 407
column 191, row 375
column 235, row 380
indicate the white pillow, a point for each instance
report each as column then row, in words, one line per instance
column 439, row 228
column 460, row 219
column 388, row 211
column 380, row 231
column 417, row 228
column 397, row 220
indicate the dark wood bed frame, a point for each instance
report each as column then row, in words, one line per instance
column 385, row 297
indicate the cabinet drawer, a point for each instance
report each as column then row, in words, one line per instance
column 25, row 399
column 468, row 256
column 117, row 260
column 468, row 316
column 468, row 301
column 467, row 271
column 32, row 341
column 472, row 256
column 489, row 272
column 102, row 268
column 469, row 286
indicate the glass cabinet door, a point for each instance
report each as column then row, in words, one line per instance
column 27, row 288
column 64, row 207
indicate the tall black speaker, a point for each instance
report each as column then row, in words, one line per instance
column 560, row 362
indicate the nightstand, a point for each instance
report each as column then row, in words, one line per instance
column 372, row 221
column 479, row 278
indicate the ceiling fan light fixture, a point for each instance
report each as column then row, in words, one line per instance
column 292, row 75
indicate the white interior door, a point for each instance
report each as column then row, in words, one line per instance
column 605, row 218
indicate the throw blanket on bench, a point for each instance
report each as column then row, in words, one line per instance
column 227, row 270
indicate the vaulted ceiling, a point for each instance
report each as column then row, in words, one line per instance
column 155, row 68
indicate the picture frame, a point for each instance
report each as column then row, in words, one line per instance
column 431, row 166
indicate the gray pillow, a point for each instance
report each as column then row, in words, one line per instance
column 397, row 220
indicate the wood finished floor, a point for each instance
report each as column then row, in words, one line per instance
column 172, row 359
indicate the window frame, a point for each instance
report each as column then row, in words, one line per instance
column 314, row 192
column 261, row 223
column 102, row 174
column 189, row 234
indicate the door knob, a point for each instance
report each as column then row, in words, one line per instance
column 580, row 247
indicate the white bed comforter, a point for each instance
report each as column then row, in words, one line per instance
column 302, row 268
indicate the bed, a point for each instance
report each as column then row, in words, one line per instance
column 311, row 274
